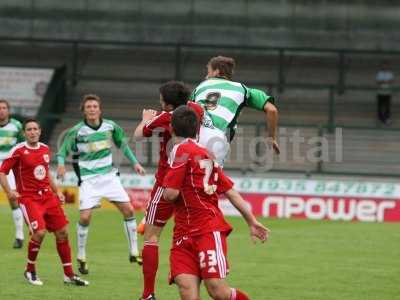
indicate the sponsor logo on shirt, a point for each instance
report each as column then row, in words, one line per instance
column 207, row 122
column 39, row 172
column 99, row 145
column 7, row 141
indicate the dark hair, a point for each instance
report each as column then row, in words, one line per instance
column 30, row 120
column 175, row 93
column 225, row 65
column 5, row 102
column 185, row 122
column 89, row 97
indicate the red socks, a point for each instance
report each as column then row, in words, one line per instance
column 64, row 251
column 33, row 251
column 238, row 295
column 150, row 266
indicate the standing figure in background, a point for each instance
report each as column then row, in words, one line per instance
column 10, row 135
column 384, row 80
column 91, row 141
column 40, row 200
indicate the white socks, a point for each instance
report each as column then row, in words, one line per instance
column 131, row 235
column 82, row 233
column 19, row 223
column 130, row 231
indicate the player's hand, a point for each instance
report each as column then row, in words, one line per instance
column 61, row 196
column 259, row 231
column 61, row 172
column 273, row 144
column 148, row 114
column 13, row 195
column 139, row 169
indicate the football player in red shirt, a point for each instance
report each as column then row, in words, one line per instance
column 159, row 211
column 39, row 199
column 199, row 247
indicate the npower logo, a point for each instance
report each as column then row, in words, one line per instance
column 318, row 208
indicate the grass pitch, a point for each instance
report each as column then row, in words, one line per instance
column 303, row 260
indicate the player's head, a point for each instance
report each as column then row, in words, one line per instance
column 173, row 94
column 184, row 122
column 4, row 110
column 91, row 107
column 32, row 130
column 221, row 66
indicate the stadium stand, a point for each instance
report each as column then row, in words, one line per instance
column 314, row 88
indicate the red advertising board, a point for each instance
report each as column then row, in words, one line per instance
column 321, row 207
column 363, row 209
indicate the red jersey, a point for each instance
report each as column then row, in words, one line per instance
column 161, row 124
column 30, row 167
column 199, row 181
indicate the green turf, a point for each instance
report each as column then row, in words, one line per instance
column 303, row 260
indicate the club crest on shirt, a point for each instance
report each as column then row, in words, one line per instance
column 39, row 172
column 46, row 158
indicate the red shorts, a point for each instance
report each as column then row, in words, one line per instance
column 203, row 256
column 159, row 210
column 43, row 213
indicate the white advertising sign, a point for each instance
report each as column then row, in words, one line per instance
column 24, row 88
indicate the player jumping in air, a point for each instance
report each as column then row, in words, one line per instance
column 90, row 141
column 223, row 100
column 39, row 200
column 159, row 211
column 199, row 247
column 10, row 135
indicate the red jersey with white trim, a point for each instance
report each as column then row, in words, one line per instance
column 161, row 124
column 30, row 167
column 199, row 181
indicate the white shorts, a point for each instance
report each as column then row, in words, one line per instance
column 11, row 180
column 216, row 143
column 108, row 186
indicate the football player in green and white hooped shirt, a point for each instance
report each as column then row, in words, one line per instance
column 223, row 100
column 10, row 135
column 90, row 142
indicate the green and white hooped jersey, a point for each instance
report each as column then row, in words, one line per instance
column 223, row 101
column 10, row 135
column 91, row 148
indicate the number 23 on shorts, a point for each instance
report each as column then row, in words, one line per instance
column 208, row 259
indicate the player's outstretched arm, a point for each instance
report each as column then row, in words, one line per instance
column 271, row 113
column 259, row 100
column 147, row 115
column 121, row 141
column 257, row 230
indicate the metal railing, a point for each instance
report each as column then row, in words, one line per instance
column 178, row 48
